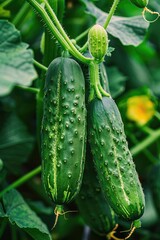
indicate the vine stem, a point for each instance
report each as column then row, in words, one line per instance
column 65, row 42
column 62, row 32
column 96, row 89
column 82, row 35
column 21, row 180
column 147, row 153
column 5, row 3
column 28, row 89
column 3, row 226
column 157, row 115
column 110, row 14
column 39, row 65
column 94, row 77
column 145, row 143
column 19, row 18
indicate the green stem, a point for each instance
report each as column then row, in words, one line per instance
column 50, row 53
column 39, row 65
column 13, row 232
column 111, row 12
column 50, row 45
column 157, row 115
column 145, row 143
column 28, row 89
column 5, row 3
column 147, row 153
column 40, row 9
column 21, row 180
column 147, row 130
column 61, row 9
column 63, row 34
column 94, row 78
column 96, row 89
column 54, row 5
column 82, row 35
column 84, row 48
column 19, row 17
column 3, row 226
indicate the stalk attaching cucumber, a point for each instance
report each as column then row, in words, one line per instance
column 93, row 207
column 114, row 164
column 63, row 130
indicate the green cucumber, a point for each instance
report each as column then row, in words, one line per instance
column 140, row 3
column 155, row 186
column 63, row 130
column 98, row 42
column 92, row 205
column 116, row 170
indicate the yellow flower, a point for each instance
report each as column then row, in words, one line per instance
column 140, row 109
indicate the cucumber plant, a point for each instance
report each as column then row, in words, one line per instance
column 110, row 185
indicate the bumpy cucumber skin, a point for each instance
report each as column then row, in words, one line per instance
column 140, row 3
column 98, row 42
column 155, row 186
column 92, row 205
column 113, row 160
column 63, row 130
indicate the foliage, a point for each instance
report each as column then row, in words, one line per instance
column 132, row 66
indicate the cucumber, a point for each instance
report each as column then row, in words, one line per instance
column 140, row 3
column 116, row 170
column 92, row 205
column 63, row 130
column 155, row 186
column 98, row 42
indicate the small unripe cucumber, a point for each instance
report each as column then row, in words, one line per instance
column 98, row 42
column 140, row 3
column 155, row 186
column 93, row 207
column 115, row 168
column 63, row 130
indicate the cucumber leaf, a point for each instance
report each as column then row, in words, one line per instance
column 18, row 212
column 16, row 144
column 16, row 59
column 117, row 81
column 129, row 30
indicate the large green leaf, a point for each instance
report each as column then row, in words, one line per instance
column 116, row 80
column 19, row 213
column 16, row 65
column 129, row 30
column 16, row 143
